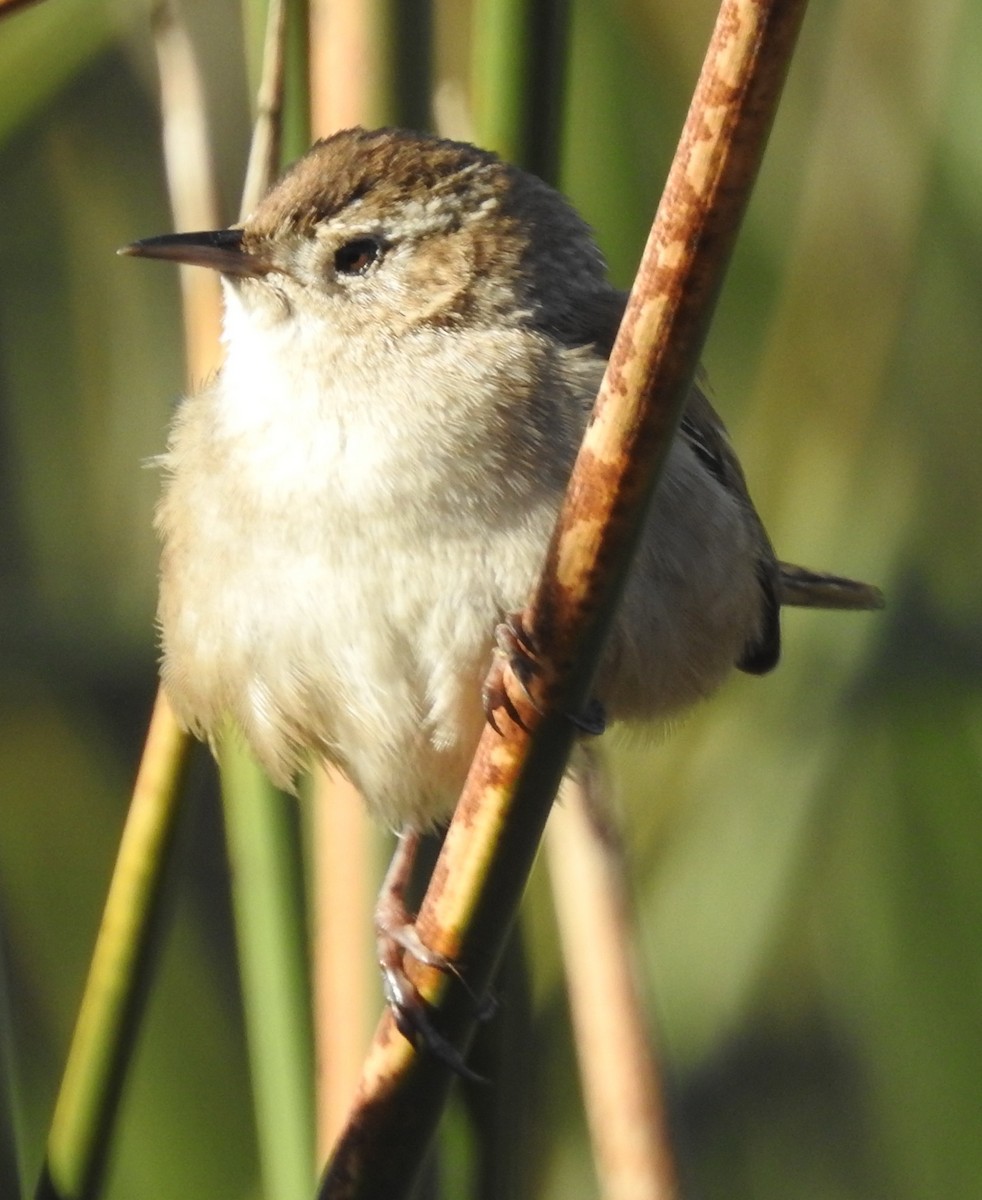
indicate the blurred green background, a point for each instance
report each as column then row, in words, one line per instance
column 807, row 849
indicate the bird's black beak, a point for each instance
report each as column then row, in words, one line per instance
column 221, row 249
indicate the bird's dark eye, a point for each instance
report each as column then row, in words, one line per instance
column 354, row 258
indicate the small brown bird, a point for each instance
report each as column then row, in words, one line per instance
column 415, row 332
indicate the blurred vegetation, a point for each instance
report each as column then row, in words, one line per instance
column 807, row 847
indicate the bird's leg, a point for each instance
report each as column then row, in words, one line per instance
column 395, row 928
column 514, row 666
column 395, row 937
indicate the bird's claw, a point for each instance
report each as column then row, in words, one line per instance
column 411, row 1012
column 397, row 938
column 508, row 686
column 514, row 665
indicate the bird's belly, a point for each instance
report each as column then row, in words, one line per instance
column 361, row 631
column 372, row 660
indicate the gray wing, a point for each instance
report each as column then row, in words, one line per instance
column 707, row 437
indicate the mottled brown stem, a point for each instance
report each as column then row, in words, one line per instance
column 480, row 875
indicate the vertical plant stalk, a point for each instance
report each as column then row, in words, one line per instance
column 190, row 185
column 346, row 990
column 267, row 894
column 350, row 74
column 350, row 49
column 261, row 825
column 488, row 852
column 112, row 1002
column 267, row 130
column 295, row 137
column 518, row 70
column 625, row 1104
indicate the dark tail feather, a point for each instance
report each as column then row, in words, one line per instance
column 813, row 589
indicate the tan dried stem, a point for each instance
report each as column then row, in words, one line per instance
column 344, row 87
column 478, row 880
column 348, row 52
column 345, row 878
column 267, row 132
column 190, row 184
column 619, row 1070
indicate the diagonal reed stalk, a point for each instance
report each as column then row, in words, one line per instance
column 492, row 840
column 109, row 1015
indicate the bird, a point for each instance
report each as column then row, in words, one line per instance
column 415, row 331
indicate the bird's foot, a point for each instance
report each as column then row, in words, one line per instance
column 514, row 668
column 396, row 938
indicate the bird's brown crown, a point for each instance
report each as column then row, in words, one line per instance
column 380, row 169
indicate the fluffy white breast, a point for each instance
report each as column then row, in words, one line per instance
column 332, row 570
